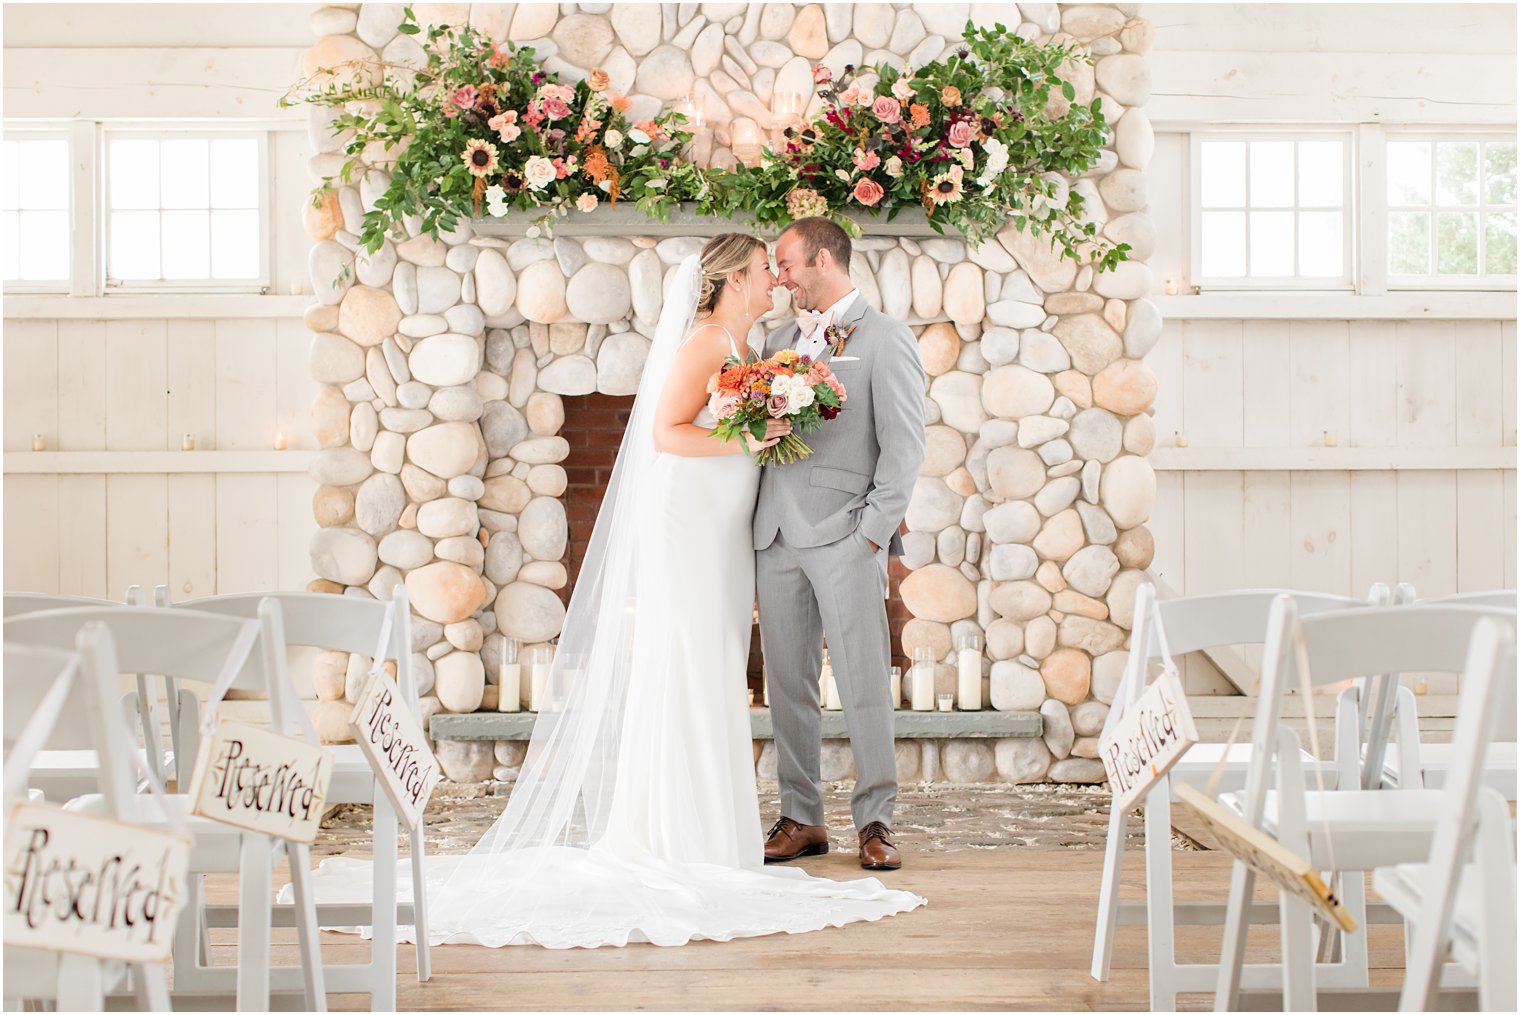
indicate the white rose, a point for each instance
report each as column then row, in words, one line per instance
column 539, row 172
column 894, row 167
column 612, row 139
column 798, row 394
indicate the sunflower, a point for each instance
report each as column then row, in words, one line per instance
column 946, row 187
column 480, row 157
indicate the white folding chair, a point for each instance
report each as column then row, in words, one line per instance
column 1461, row 901
column 1179, row 626
column 66, row 699
column 1432, row 761
column 1346, row 830
column 381, row 630
column 63, row 775
column 224, row 652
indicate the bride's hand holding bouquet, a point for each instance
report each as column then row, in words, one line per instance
column 749, row 399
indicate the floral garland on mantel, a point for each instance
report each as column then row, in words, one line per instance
column 971, row 140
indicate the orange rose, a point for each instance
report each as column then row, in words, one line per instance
column 950, row 95
column 598, row 80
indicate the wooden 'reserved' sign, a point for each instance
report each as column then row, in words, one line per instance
column 1148, row 740
column 390, row 737
column 90, row 885
column 257, row 779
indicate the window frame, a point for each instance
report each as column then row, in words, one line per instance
column 1480, row 282
column 52, row 131
column 186, row 130
column 1346, row 281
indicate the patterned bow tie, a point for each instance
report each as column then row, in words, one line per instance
column 814, row 323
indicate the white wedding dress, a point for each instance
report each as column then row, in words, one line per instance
column 664, row 843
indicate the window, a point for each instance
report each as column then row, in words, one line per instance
column 1451, row 210
column 1272, row 211
column 185, row 210
column 34, row 218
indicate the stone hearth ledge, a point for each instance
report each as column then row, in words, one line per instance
column 908, row 725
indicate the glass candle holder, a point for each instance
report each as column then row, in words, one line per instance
column 895, row 685
column 543, row 664
column 923, row 680
column 509, row 698
column 968, row 673
column 947, row 703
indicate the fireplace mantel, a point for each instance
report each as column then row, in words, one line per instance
column 627, row 220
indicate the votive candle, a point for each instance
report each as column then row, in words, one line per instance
column 279, row 441
column 39, row 442
column 947, row 703
column 187, row 442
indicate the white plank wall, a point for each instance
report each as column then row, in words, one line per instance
column 140, row 385
column 1286, row 384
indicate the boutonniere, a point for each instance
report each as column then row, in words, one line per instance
column 837, row 336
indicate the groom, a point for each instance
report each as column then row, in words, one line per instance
column 823, row 530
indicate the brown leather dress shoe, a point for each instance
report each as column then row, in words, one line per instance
column 877, row 853
column 788, row 839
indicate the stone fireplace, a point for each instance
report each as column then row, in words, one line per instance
column 475, row 388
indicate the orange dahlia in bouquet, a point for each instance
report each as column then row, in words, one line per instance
column 746, row 394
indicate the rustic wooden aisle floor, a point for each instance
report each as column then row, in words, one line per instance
column 1005, row 929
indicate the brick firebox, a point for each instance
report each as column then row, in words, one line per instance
column 594, row 426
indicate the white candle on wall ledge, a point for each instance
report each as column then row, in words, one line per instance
column 896, row 687
column 830, row 685
column 187, row 442
column 538, row 692
column 39, row 442
column 510, row 697
column 969, row 673
column 746, row 141
column 279, row 441
column 923, row 680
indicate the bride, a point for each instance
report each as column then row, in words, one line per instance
column 636, row 817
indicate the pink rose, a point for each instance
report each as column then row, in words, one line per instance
column 868, row 191
column 887, row 109
column 463, row 97
column 866, row 161
column 555, row 109
column 961, row 133
column 776, row 406
column 850, row 96
column 723, row 404
column 822, row 75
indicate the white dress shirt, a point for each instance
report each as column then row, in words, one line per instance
column 815, row 345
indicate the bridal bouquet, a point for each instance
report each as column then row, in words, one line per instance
column 789, row 386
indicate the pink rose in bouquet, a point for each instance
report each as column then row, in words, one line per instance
column 791, row 386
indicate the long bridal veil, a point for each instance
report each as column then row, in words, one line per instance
column 564, row 794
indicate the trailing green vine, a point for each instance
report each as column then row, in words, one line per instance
column 977, row 141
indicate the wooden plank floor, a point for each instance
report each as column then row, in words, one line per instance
column 1005, row 929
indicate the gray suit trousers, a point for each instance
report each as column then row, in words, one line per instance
column 836, row 590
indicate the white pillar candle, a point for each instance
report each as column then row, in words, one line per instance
column 896, row 686
column 538, row 694
column 830, row 685
column 510, row 684
column 969, row 674
column 923, row 687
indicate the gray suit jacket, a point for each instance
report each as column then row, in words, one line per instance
column 866, row 460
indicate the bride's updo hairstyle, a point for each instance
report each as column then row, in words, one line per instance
column 722, row 256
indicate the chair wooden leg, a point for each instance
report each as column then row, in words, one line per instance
column 383, row 944
column 253, row 924
column 419, row 907
column 1108, row 897
column 1232, row 954
column 1160, row 916
column 1297, row 934
column 306, row 926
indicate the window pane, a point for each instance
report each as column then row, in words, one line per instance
column 1224, row 244
column 1499, row 241
column 183, row 171
column 1320, row 244
column 1224, row 174
column 134, row 245
column 1409, row 243
column 1321, row 180
column 235, row 173
column 44, row 241
column 10, row 252
column 187, row 244
column 234, row 244
column 134, row 175
column 1271, row 175
column 1408, row 172
column 42, row 174
column 1457, row 172
column 1456, row 243
column 1271, row 243
column 8, row 171
column 1499, row 172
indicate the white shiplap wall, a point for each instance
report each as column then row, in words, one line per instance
column 114, row 393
